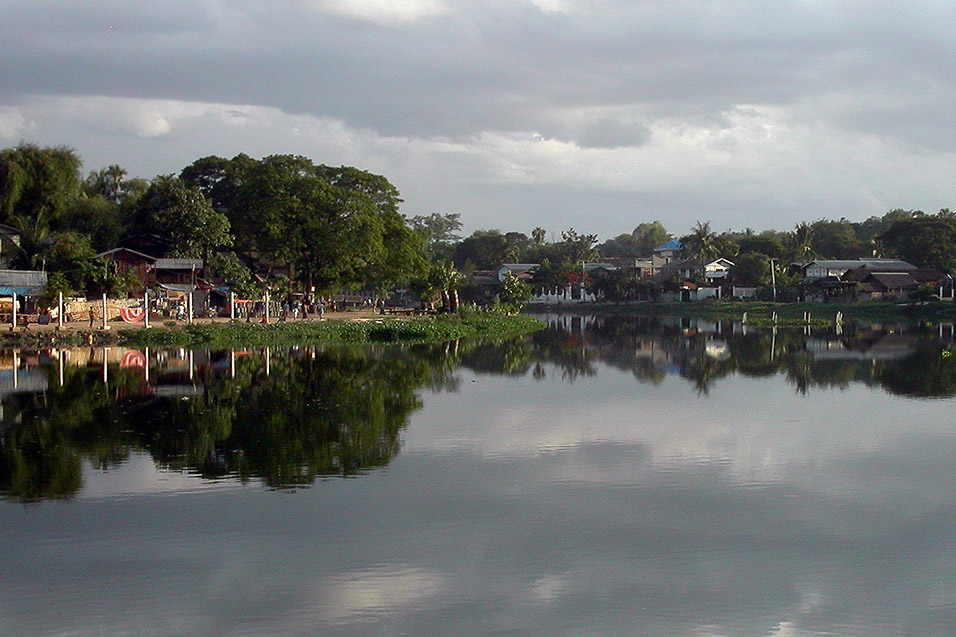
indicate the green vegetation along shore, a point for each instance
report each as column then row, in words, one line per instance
column 385, row 330
column 759, row 311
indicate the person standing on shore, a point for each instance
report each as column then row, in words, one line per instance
column 92, row 317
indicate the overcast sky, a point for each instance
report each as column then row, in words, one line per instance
column 596, row 114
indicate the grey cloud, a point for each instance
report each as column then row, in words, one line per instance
column 503, row 67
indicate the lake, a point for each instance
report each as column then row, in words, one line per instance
column 604, row 476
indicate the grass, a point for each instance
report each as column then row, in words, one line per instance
column 385, row 330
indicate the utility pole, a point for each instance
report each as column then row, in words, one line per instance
column 773, row 278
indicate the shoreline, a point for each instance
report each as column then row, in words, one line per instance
column 346, row 327
column 761, row 310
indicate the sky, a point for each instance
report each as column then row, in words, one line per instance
column 592, row 114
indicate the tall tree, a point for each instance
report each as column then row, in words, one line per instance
column 181, row 213
column 37, row 183
column 800, row 246
column 648, row 236
column 108, row 183
column 926, row 241
column 574, row 247
column 702, row 243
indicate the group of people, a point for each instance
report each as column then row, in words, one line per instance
column 295, row 308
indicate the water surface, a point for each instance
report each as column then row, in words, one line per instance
column 606, row 476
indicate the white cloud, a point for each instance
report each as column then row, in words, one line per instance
column 377, row 590
column 384, row 12
column 13, row 123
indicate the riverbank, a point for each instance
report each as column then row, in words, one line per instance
column 761, row 311
column 343, row 327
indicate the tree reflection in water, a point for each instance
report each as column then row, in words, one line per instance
column 317, row 412
column 290, row 418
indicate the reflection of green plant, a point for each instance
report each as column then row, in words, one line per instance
column 317, row 413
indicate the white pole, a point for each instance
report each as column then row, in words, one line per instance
column 189, row 309
column 773, row 279
column 59, row 312
column 232, row 306
column 146, row 314
column 14, row 315
column 267, row 307
column 105, row 326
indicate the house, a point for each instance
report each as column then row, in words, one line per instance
column 823, row 268
column 122, row 260
column 889, row 284
column 23, row 283
column 717, row 270
column 684, row 270
column 149, row 270
column 523, row 271
column 642, row 268
column 666, row 253
column 182, row 270
column 149, row 244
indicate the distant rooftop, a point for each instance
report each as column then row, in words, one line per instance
column 673, row 244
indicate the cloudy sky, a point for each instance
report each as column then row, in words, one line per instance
column 596, row 114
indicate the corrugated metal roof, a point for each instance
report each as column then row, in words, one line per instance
column 34, row 280
column 673, row 244
column 178, row 264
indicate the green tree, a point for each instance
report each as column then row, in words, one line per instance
column 800, row 244
column 575, row 248
column 750, row 270
column 108, row 183
column 96, row 217
column 36, row 184
column 514, row 292
column 702, row 243
column 437, row 229
column 648, row 236
column 182, row 214
column 925, row 241
column 837, row 240
column 486, row 250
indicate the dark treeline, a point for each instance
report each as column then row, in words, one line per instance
column 289, row 224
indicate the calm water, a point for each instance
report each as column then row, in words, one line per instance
column 602, row 477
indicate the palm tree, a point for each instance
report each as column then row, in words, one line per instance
column 703, row 243
column 801, row 242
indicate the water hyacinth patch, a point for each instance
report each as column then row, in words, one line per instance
column 392, row 330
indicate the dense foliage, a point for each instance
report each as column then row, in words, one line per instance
column 294, row 225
